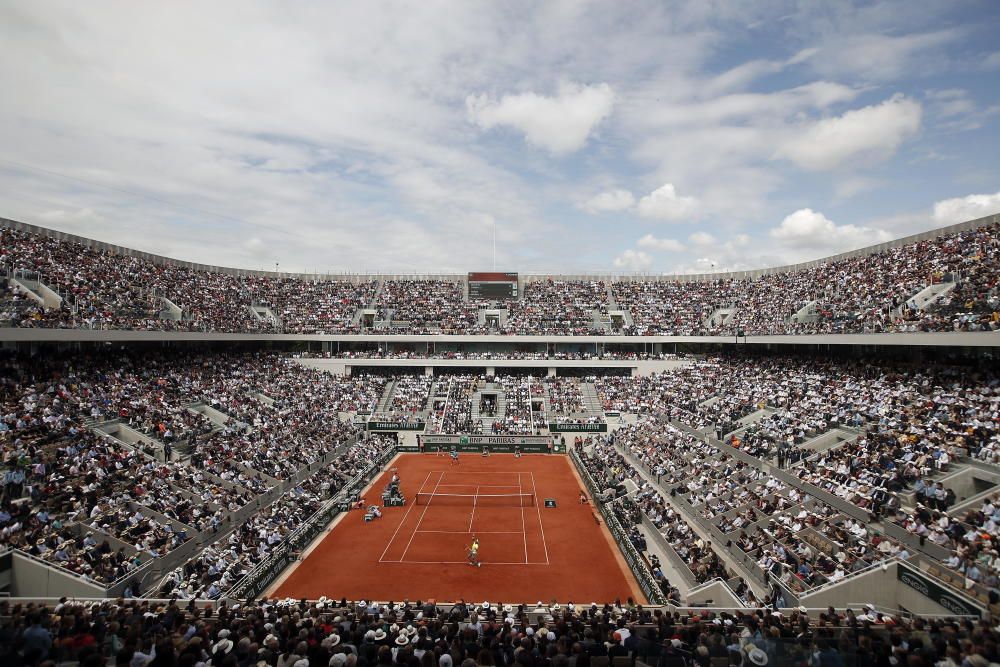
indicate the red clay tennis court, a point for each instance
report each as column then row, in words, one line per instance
column 418, row 551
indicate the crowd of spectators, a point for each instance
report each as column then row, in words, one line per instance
column 427, row 305
column 222, row 564
column 520, row 396
column 553, row 306
column 101, row 506
column 911, row 425
column 610, row 470
column 868, row 293
column 409, row 397
column 565, row 397
column 453, row 411
column 338, row 633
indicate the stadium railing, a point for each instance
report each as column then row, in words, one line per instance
column 748, row 565
column 632, row 556
column 264, row 573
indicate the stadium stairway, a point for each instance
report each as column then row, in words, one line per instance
column 720, row 317
column 217, row 417
column 474, row 409
column 602, row 321
column 828, row 440
column 263, row 397
column 612, row 301
column 745, row 421
column 386, row 400
column 807, row 313
column 929, row 295
column 171, row 311
column 590, row 398
column 38, row 291
column 431, row 394
column 263, row 313
column 377, row 294
column 130, row 438
column 501, row 404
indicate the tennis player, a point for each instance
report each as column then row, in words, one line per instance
column 473, row 557
column 454, row 456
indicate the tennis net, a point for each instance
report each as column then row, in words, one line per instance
column 476, row 499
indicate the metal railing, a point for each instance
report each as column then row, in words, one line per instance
column 264, row 573
column 632, row 556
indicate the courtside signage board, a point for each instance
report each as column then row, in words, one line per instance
column 935, row 591
column 375, row 425
column 496, row 443
column 577, row 428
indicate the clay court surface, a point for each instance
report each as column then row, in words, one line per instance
column 418, row 551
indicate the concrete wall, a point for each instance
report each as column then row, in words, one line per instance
column 879, row 587
column 31, row 578
column 715, row 594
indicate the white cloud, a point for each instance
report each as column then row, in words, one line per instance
column 970, row 207
column 811, row 230
column 665, row 204
column 666, row 245
column 955, row 110
column 702, row 239
column 853, row 185
column 992, row 61
column 71, row 218
column 613, row 200
column 256, row 247
column 633, row 260
column 560, row 124
column 869, row 134
column 880, row 57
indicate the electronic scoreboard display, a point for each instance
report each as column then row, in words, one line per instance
column 483, row 285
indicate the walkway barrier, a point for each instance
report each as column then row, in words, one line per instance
column 632, row 556
column 287, row 552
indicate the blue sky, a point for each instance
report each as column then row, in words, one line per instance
column 616, row 136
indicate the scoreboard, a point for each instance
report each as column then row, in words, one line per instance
column 483, row 285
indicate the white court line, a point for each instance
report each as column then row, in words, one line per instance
column 482, row 486
column 473, row 516
column 524, row 532
column 481, row 472
column 393, row 538
column 534, row 492
column 427, row 507
column 458, row 562
column 478, row 532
